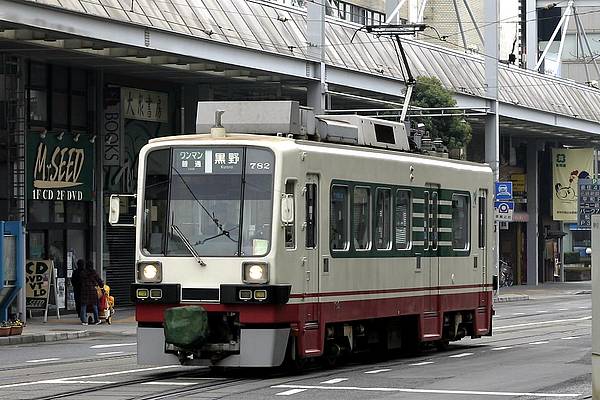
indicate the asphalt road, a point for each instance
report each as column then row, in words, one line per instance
column 541, row 349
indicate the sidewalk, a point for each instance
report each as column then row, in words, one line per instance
column 123, row 323
column 544, row 290
column 69, row 327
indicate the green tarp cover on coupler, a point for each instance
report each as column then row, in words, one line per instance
column 186, row 326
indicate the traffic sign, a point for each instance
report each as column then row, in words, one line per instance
column 588, row 202
column 504, row 191
column 503, row 210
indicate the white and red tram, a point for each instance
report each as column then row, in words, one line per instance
column 300, row 248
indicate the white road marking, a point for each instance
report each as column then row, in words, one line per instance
column 519, row 313
column 104, row 346
column 110, row 353
column 75, row 379
column 378, row 371
column 541, row 311
column 540, row 342
column 290, row 392
column 61, row 381
column 583, row 307
column 432, row 391
column 557, row 321
column 170, row 383
column 563, row 309
column 43, row 360
column 335, row 380
column 421, row 363
column 569, row 338
column 461, row 355
column 502, row 348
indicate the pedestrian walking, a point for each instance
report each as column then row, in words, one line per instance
column 76, row 283
column 89, row 294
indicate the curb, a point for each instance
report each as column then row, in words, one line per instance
column 510, row 298
column 42, row 337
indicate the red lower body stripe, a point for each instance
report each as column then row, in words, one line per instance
column 309, row 318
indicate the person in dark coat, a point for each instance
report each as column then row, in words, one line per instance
column 76, row 283
column 89, row 295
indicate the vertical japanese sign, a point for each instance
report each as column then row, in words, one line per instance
column 568, row 166
column 145, row 105
column 112, row 126
column 37, row 283
column 589, row 202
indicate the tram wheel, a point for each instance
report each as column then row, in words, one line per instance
column 442, row 344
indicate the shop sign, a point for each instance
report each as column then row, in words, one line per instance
column 589, row 202
column 37, row 283
column 112, row 126
column 518, row 182
column 59, row 168
column 568, row 167
column 145, row 105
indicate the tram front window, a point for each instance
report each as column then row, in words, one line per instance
column 220, row 202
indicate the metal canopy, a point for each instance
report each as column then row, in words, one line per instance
column 256, row 41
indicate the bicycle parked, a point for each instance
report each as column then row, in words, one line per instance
column 506, row 274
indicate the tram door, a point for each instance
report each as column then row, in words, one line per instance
column 430, row 250
column 482, row 240
column 311, row 246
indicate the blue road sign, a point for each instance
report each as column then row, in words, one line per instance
column 503, row 191
column 504, row 210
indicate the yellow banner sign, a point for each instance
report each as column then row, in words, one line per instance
column 518, row 181
column 568, row 166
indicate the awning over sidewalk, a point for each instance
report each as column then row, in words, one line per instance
column 254, row 41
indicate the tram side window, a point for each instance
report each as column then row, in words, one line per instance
column 482, row 222
column 338, row 218
column 402, row 212
column 426, row 206
column 361, row 218
column 290, row 229
column 383, row 213
column 460, row 222
column 434, row 220
column 311, row 215
column 156, row 196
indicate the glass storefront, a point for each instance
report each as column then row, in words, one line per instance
column 60, row 168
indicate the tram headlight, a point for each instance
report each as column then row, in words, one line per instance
column 149, row 272
column 255, row 272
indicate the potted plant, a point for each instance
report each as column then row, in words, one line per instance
column 16, row 327
column 5, row 328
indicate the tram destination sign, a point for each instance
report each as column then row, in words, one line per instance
column 588, row 202
column 221, row 160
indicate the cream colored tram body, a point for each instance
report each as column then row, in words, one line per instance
column 296, row 249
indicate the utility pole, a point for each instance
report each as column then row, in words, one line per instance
column 492, row 120
column 595, row 307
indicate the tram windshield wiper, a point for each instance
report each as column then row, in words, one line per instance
column 224, row 232
column 187, row 244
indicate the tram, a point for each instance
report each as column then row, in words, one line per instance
column 313, row 238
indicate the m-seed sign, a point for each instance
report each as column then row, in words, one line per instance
column 59, row 168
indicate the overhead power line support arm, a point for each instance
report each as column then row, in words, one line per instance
column 395, row 31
